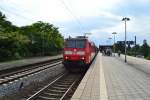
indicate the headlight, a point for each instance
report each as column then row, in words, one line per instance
column 68, row 52
column 80, row 52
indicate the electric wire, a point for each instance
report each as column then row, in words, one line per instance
column 74, row 16
column 8, row 11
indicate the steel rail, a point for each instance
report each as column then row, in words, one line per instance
column 26, row 73
column 54, row 88
column 37, row 93
column 68, row 90
column 19, row 70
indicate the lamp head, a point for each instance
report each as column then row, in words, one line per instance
column 125, row 19
column 114, row 33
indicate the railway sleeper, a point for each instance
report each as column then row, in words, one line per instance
column 45, row 98
column 56, row 91
column 64, row 83
column 60, row 85
column 1, row 80
column 60, row 88
column 52, row 94
column 9, row 77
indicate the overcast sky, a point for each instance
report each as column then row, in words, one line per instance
column 76, row 17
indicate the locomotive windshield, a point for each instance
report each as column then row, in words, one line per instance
column 75, row 43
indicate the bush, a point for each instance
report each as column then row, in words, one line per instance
column 148, row 57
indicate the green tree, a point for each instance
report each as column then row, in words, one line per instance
column 12, row 45
column 38, row 39
column 45, row 38
column 6, row 26
column 145, row 49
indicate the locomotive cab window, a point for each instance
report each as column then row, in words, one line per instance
column 75, row 43
column 70, row 44
column 80, row 44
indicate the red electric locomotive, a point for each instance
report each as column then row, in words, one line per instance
column 78, row 53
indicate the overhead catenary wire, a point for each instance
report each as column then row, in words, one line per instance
column 72, row 14
column 15, row 14
column 8, row 11
column 76, row 19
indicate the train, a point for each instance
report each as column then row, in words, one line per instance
column 78, row 53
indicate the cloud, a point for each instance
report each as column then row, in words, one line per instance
column 58, row 10
column 75, row 17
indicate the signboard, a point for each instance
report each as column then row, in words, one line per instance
column 127, row 42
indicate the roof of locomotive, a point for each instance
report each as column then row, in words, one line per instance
column 81, row 38
column 78, row 38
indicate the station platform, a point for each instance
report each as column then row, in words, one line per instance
column 110, row 78
column 92, row 86
column 24, row 62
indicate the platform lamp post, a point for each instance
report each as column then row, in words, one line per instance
column 110, row 40
column 114, row 33
column 125, row 19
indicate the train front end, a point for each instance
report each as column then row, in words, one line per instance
column 76, row 54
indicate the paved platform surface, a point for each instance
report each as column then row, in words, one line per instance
column 125, row 81
column 139, row 63
column 19, row 63
column 93, row 86
column 110, row 78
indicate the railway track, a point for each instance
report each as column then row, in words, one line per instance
column 15, row 70
column 58, row 89
column 8, row 77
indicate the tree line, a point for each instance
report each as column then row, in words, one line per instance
column 38, row 39
column 136, row 50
